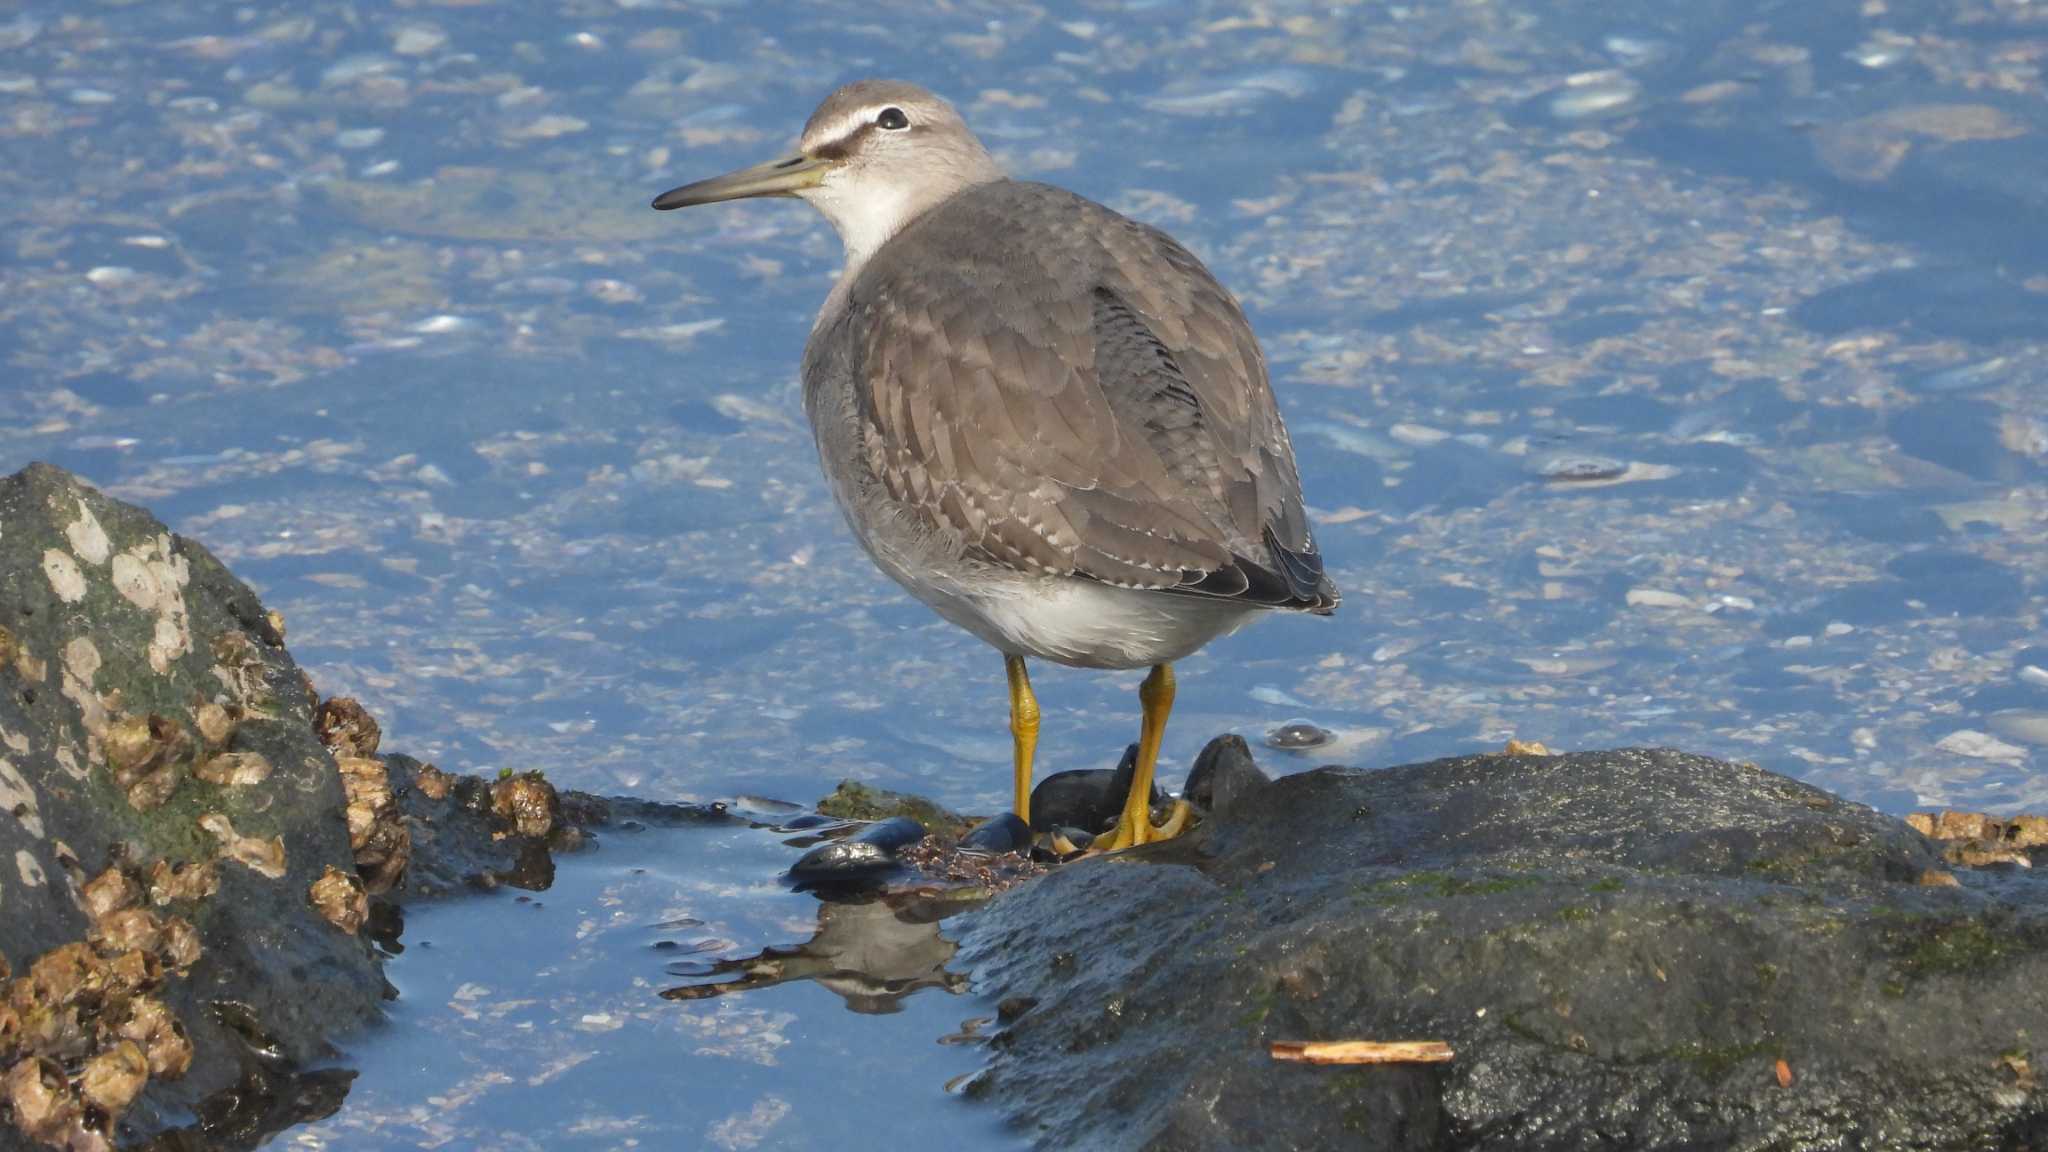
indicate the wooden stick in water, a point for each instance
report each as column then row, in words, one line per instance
column 1361, row 1051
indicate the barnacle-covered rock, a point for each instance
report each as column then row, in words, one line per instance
column 339, row 897
column 377, row 834
column 234, row 769
column 141, row 693
column 114, row 1077
column 216, row 724
column 40, row 1096
column 179, row 944
column 134, row 971
column 150, row 1024
column 126, row 930
column 433, row 783
column 148, row 756
column 527, row 802
column 110, row 892
column 265, row 857
column 345, row 726
column 59, row 976
column 196, row 880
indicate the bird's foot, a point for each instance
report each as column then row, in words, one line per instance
column 1130, row 833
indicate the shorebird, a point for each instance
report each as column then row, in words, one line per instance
column 1044, row 420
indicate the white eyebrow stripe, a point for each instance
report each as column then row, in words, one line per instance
column 843, row 129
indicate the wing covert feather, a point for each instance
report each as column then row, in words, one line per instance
column 1074, row 394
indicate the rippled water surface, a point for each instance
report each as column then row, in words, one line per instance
column 1669, row 378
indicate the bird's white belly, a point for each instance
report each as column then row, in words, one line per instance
column 1085, row 624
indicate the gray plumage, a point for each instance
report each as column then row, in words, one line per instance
column 1068, row 394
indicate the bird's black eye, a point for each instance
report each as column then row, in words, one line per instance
column 892, row 119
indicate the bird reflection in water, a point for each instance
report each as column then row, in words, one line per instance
column 871, row 952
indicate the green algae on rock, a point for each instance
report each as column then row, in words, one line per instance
column 853, row 800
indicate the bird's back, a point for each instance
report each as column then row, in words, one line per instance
column 1055, row 389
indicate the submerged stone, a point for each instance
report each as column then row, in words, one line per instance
column 997, row 835
column 1087, row 798
column 860, row 860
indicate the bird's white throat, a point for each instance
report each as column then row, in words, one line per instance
column 866, row 213
column 866, row 208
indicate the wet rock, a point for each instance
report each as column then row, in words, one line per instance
column 147, row 756
column 43, row 1104
column 341, row 900
column 997, row 835
column 234, row 769
column 109, row 892
column 170, row 882
column 265, row 857
column 136, row 661
column 457, row 840
column 460, row 839
column 863, row 859
column 377, row 834
column 856, row 801
column 114, row 1078
column 527, row 801
column 1975, row 840
column 1087, row 798
column 1638, row 948
column 345, row 726
column 1224, row 775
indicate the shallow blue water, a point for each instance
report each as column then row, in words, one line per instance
column 1674, row 379
column 535, row 1021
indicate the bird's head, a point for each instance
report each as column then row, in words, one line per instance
column 873, row 156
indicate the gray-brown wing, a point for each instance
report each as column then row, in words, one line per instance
column 1073, row 393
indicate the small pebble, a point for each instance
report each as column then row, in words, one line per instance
column 997, row 835
column 1570, row 469
column 1086, row 798
column 1297, row 735
column 860, row 860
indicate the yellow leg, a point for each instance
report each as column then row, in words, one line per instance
column 1023, row 732
column 1135, row 826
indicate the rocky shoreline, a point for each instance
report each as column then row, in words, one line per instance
column 1637, row 948
column 197, row 849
